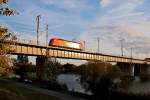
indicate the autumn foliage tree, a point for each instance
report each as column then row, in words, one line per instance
column 5, row 35
column 5, row 10
column 4, row 49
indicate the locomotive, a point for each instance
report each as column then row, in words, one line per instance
column 57, row 42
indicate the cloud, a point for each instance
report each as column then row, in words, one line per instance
column 86, row 21
column 123, row 19
column 105, row 3
column 69, row 5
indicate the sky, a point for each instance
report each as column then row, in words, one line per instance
column 86, row 20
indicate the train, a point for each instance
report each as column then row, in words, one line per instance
column 58, row 42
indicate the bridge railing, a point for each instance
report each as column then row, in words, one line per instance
column 33, row 42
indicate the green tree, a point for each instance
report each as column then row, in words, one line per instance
column 23, row 58
column 69, row 68
column 22, row 66
column 99, row 78
column 52, row 69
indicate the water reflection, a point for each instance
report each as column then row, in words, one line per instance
column 139, row 87
column 72, row 81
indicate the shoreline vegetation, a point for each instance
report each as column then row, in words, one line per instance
column 11, row 91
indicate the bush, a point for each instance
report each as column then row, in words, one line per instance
column 144, row 78
column 52, row 85
column 125, row 82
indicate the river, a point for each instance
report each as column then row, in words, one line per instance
column 73, row 82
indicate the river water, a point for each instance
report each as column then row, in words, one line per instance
column 73, row 82
column 138, row 86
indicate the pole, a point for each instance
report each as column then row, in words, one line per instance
column 122, row 46
column 131, row 54
column 98, row 40
column 47, row 35
column 84, row 45
column 37, row 30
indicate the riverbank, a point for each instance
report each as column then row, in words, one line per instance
column 42, row 92
column 11, row 91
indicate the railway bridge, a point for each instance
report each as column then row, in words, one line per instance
column 128, row 65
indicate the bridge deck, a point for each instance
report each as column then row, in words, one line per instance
column 34, row 50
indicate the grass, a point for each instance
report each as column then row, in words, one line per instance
column 9, row 91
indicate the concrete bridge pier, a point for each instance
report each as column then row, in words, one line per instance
column 130, row 69
column 127, row 69
column 40, row 66
column 144, row 69
column 137, row 69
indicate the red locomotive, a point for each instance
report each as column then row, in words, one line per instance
column 66, row 44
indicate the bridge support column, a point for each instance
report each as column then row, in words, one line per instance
column 144, row 70
column 137, row 69
column 126, row 68
column 40, row 66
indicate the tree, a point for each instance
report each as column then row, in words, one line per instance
column 5, row 67
column 3, row 1
column 23, row 58
column 99, row 78
column 5, row 35
column 5, row 10
column 69, row 68
column 22, row 66
column 52, row 69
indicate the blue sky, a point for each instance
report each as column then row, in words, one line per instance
column 85, row 20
